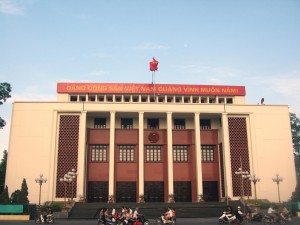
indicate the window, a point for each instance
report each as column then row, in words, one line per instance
column 126, row 123
column 212, row 100
column 205, row 124
column 207, row 153
column 203, row 99
column 126, row 153
column 179, row 124
column 100, row 123
column 73, row 98
column 180, row 153
column 221, row 100
column 82, row 98
column 153, row 123
column 229, row 100
column 153, row 153
column 98, row 153
column 92, row 98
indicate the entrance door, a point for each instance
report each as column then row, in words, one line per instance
column 154, row 191
column 182, row 191
column 97, row 191
column 126, row 192
column 210, row 191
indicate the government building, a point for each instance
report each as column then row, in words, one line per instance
column 128, row 142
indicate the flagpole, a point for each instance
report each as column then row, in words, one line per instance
column 154, row 86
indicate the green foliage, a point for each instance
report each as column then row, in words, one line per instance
column 55, row 206
column 5, row 90
column 3, row 171
column 20, row 196
column 4, row 196
column 295, row 127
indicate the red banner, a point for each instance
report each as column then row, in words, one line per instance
column 129, row 88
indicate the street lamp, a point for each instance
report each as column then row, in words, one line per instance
column 65, row 180
column 40, row 181
column 73, row 174
column 247, row 176
column 242, row 173
column 254, row 179
column 277, row 179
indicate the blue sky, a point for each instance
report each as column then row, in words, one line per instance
column 254, row 43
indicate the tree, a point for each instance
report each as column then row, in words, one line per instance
column 3, row 170
column 4, row 196
column 20, row 196
column 5, row 90
column 295, row 127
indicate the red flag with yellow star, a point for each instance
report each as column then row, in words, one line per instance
column 153, row 65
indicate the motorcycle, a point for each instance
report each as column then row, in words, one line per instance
column 49, row 219
column 267, row 220
column 118, row 220
column 255, row 217
column 141, row 220
column 227, row 218
column 170, row 221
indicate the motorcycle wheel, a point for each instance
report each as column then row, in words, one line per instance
column 146, row 222
column 266, row 222
column 282, row 222
column 158, row 221
column 51, row 221
column 37, row 221
column 221, row 221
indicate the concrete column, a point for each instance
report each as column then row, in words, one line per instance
column 226, row 155
column 141, row 153
column 170, row 153
column 198, row 154
column 81, row 163
column 111, row 181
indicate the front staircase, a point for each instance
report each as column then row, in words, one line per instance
column 154, row 210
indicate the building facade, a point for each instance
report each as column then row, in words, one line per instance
column 151, row 141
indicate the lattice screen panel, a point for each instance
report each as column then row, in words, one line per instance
column 67, row 152
column 239, row 154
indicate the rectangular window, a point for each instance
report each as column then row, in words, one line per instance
column 205, row 124
column 179, row 123
column 153, row 153
column 153, row 123
column 207, row 153
column 126, row 153
column 73, row 98
column 100, row 123
column 180, row 153
column 126, row 123
column 98, row 153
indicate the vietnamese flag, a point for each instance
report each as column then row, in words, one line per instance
column 153, row 65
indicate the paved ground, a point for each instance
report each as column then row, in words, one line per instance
column 180, row 221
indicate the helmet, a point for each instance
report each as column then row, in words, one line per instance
column 239, row 207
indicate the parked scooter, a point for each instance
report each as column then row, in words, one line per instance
column 49, row 219
column 227, row 218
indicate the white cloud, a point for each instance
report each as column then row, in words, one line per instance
column 99, row 73
column 9, row 7
column 150, row 46
column 34, row 93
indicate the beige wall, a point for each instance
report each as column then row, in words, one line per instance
column 33, row 141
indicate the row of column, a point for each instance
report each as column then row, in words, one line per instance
column 111, row 188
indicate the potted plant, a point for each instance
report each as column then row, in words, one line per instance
column 111, row 199
column 141, row 198
column 171, row 198
column 201, row 198
column 81, row 199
